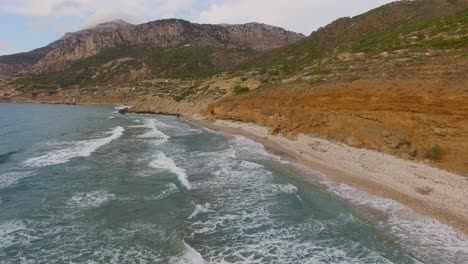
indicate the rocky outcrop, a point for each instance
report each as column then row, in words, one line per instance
column 12, row 69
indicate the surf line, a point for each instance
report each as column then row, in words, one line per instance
column 161, row 161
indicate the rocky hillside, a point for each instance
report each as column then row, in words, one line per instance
column 393, row 79
column 11, row 65
column 157, row 36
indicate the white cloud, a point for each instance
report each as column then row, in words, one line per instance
column 299, row 15
column 97, row 11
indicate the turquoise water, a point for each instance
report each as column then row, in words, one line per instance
column 83, row 184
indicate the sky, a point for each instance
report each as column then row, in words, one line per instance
column 30, row 24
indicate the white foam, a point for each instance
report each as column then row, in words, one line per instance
column 424, row 237
column 250, row 149
column 111, row 117
column 90, row 199
column 169, row 189
column 76, row 149
column 14, row 232
column 154, row 133
column 161, row 161
column 189, row 256
column 245, row 208
column 284, row 188
column 120, row 107
column 10, row 178
column 199, row 209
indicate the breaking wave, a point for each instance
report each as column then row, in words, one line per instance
column 161, row 161
column 156, row 135
column 77, row 149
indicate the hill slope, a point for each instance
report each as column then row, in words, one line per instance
column 393, row 79
column 419, row 24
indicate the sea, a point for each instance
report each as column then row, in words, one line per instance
column 84, row 184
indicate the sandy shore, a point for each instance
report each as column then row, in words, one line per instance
column 428, row 191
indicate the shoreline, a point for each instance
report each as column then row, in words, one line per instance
column 426, row 190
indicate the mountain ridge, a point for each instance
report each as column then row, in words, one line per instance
column 78, row 45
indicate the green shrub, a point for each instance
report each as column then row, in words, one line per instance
column 435, row 152
column 238, row 89
column 178, row 98
column 274, row 72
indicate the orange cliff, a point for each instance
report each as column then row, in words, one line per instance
column 420, row 119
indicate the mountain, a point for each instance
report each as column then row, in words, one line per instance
column 225, row 43
column 13, row 64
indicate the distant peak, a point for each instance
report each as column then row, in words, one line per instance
column 111, row 24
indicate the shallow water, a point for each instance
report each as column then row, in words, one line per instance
column 82, row 184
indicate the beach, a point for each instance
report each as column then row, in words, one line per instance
column 426, row 190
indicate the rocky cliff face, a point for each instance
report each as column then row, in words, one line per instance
column 14, row 64
column 398, row 119
column 159, row 34
column 166, row 33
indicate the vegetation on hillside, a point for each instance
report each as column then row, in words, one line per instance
column 184, row 62
column 414, row 26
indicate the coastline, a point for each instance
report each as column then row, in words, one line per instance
column 426, row 190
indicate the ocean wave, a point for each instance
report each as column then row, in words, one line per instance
column 161, row 161
column 424, row 237
column 90, row 199
column 14, row 232
column 120, row 107
column 189, row 256
column 72, row 243
column 9, row 178
column 246, row 207
column 156, row 135
column 199, row 209
column 284, row 188
column 250, row 149
column 76, row 149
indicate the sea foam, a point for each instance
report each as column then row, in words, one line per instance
column 77, row 149
column 189, row 256
column 90, row 199
column 153, row 133
column 199, row 209
column 161, row 161
column 10, row 178
column 422, row 236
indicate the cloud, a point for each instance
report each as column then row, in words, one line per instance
column 97, row 11
column 299, row 15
